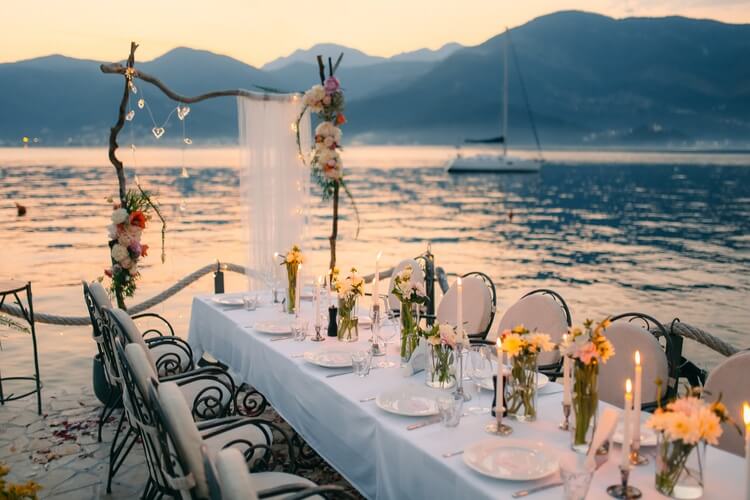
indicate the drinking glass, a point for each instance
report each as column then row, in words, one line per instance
column 480, row 370
column 450, row 407
column 576, row 473
column 251, row 302
column 361, row 363
column 389, row 327
column 299, row 329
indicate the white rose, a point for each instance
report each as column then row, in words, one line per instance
column 337, row 134
column 405, row 288
column 313, row 98
column 325, row 155
column 119, row 216
column 112, row 231
column 325, row 129
column 119, row 253
column 328, row 141
column 126, row 263
column 133, row 269
column 124, row 240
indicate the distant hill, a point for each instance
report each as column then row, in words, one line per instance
column 590, row 79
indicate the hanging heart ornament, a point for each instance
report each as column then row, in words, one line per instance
column 158, row 132
column 182, row 112
column 141, row 103
column 131, row 114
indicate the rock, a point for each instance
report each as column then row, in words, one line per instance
column 39, row 444
column 66, row 449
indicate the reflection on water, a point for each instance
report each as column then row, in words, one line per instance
column 669, row 238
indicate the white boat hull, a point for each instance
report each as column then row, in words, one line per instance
column 493, row 163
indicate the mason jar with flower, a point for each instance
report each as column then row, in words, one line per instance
column 349, row 290
column 411, row 295
column 588, row 347
column 292, row 261
column 684, row 427
column 523, row 348
column 442, row 342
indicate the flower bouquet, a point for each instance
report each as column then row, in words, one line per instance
column 523, row 348
column 292, row 260
column 411, row 296
column 587, row 347
column 442, row 341
column 684, row 428
column 128, row 222
column 349, row 290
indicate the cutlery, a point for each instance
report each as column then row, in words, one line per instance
column 366, row 400
column 542, row 487
column 453, row 454
column 298, row 355
column 276, row 339
column 347, row 372
column 424, row 423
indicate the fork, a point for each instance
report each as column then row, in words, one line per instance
column 453, row 453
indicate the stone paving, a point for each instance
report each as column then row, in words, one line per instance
column 59, row 449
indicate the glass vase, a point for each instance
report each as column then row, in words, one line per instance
column 520, row 397
column 348, row 326
column 409, row 318
column 680, row 467
column 585, row 402
column 439, row 370
column 291, row 290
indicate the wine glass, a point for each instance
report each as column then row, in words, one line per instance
column 479, row 369
column 389, row 327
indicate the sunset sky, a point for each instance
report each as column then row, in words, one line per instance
column 259, row 31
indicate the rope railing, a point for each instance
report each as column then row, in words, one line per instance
column 678, row 328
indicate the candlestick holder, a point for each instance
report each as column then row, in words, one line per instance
column 318, row 337
column 623, row 490
column 498, row 427
column 635, row 456
column 565, row 424
column 459, row 392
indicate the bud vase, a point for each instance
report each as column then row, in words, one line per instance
column 521, row 388
column 680, row 467
column 291, row 291
column 439, row 369
column 409, row 319
column 348, row 327
column 585, row 402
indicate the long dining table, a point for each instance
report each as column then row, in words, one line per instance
column 371, row 448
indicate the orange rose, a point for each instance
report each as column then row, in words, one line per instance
column 340, row 119
column 138, row 218
column 144, row 250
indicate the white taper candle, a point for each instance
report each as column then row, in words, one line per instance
column 627, row 425
column 499, row 407
column 637, row 396
column 459, row 305
column 566, row 373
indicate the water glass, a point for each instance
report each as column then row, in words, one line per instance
column 450, row 408
column 251, row 302
column 361, row 363
column 576, row 473
column 299, row 329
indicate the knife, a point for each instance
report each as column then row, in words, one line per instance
column 424, row 423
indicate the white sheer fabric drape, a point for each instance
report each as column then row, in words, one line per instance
column 274, row 183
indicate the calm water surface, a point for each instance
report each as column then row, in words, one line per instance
column 665, row 234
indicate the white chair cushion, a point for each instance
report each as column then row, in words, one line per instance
column 140, row 366
column 417, row 276
column 628, row 337
column 729, row 380
column 476, row 304
column 133, row 336
column 538, row 312
column 267, row 480
column 186, row 439
column 99, row 294
column 233, row 476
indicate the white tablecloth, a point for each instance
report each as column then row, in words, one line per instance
column 371, row 448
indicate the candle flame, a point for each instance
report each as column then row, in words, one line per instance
column 499, row 343
column 299, row 267
column 458, row 281
column 746, row 413
column 638, row 358
column 380, row 254
column 320, row 280
column 628, row 387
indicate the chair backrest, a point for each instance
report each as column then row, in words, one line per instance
column 478, row 305
column 212, row 477
column 95, row 298
column 417, row 276
column 728, row 380
column 543, row 311
column 175, row 416
column 236, row 482
column 124, row 326
column 627, row 335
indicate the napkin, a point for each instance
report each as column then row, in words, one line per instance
column 604, row 429
column 417, row 361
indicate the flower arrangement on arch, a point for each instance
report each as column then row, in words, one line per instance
column 129, row 219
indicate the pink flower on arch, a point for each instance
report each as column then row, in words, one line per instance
column 331, row 85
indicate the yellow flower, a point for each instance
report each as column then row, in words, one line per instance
column 512, row 344
column 710, row 426
column 541, row 341
column 606, row 350
column 682, row 427
column 519, row 329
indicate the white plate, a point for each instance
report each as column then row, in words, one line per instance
column 511, row 459
column 541, row 381
column 409, row 401
column 648, row 436
column 330, row 358
column 272, row 328
column 229, row 301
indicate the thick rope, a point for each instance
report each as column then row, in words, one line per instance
column 679, row 328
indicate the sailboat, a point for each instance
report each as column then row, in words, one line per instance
column 499, row 163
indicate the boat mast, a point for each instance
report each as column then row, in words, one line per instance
column 505, row 94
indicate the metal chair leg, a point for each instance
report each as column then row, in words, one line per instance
column 115, row 450
column 107, row 411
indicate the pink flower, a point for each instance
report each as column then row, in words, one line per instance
column 586, row 353
column 135, row 247
column 331, row 85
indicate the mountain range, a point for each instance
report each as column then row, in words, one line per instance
column 589, row 80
